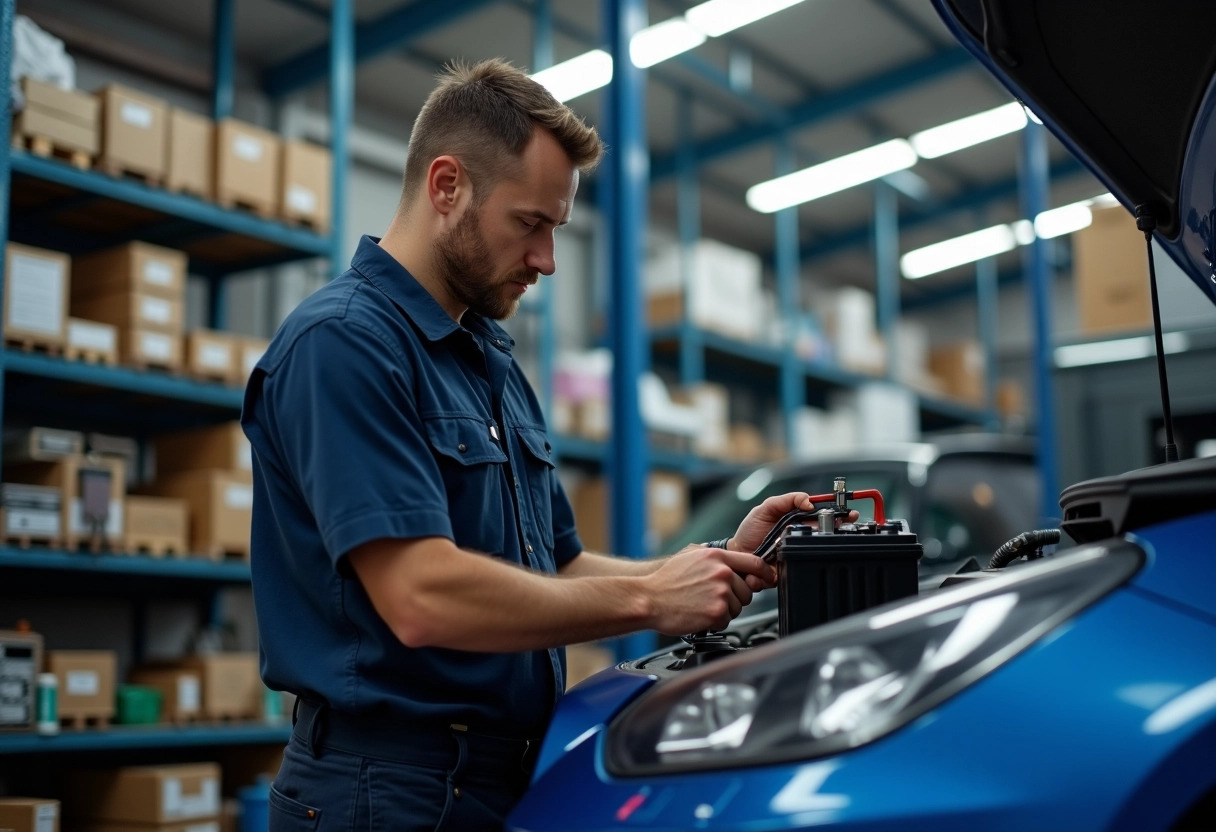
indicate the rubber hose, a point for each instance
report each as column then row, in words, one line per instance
column 1015, row 548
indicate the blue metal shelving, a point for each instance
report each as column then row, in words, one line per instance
column 145, row 737
column 193, row 568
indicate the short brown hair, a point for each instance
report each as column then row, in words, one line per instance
column 484, row 115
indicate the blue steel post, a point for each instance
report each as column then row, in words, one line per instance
column 986, row 288
column 223, row 59
column 542, row 58
column 688, row 220
column 886, row 266
column 223, row 63
column 6, row 63
column 785, row 261
column 341, row 100
column 626, row 177
column 1033, row 172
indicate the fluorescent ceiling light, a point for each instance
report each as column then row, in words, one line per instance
column 981, row 127
column 662, row 41
column 829, row 177
column 1063, row 220
column 965, row 249
column 577, row 76
column 1121, row 349
column 717, row 17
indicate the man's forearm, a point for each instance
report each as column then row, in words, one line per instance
column 594, row 565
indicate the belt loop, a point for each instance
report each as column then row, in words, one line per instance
column 295, row 712
column 312, row 728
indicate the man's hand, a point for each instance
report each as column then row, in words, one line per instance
column 700, row 588
column 759, row 521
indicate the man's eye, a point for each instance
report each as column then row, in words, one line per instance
column 527, row 224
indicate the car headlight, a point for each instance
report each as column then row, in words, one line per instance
column 852, row 681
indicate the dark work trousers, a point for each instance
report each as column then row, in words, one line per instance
column 343, row 773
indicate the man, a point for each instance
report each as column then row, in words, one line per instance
column 416, row 568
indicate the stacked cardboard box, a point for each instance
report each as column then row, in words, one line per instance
column 56, row 120
column 305, row 181
column 86, row 685
column 149, row 798
column 35, row 297
column 666, row 509
column 960, row 369
column 139, row 289
column 247, row 167
column 211, row 469
column 190, row 157
column 1110, row 273
column 721, row 293
column 133, row 131
column 29, row 814
column 92, row 492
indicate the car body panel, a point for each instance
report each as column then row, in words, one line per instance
column 1183, row 557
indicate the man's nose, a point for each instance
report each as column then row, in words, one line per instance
column 541, row 257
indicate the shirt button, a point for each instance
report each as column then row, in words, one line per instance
column 529, row 548
column 462, row 447
column 456, row 792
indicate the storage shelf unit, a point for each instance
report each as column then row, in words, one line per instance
column 193, row 569
column 144, row 737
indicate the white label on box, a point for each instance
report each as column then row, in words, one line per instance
column 83, row 683
column 113, row 522
column 46, row 817
column 238, row 496
column 244, row 456
column 155, row 345
column 87, row 335
column 250, row 357
column 180, row 806
column 301, row 199
column 188, row 698
column 215, row 356
column 22, row 521
column 666, row 495
column 158, row 273
column 247, row 148
column 137, row 115
column 35, row 295
column 156, row 310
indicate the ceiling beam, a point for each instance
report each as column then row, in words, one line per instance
column 821, row 107
column 386, row 33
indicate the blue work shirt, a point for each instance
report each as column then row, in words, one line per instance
column 375, row 415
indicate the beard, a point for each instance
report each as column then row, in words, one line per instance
column 466, row 268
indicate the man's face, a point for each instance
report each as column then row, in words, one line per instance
column 501, row 247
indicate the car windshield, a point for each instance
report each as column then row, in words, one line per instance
column 719, row 516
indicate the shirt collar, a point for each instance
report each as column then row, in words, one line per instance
column 402, row 288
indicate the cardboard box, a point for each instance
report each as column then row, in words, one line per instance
column 246, row 166
column 123, row 448
column 146, row 794
column 722, row 289
column 306, row 173
column 156, row 525
column 20, row 664
column 746, row 444
column 220, row 447
column 35, row 295
column 133, row 131
column 960, row 366
column 29, row 814
column 91, row 341
column 221, row 509
column 67, row 118
column 712, row 403
column 252, row 350
column 86, row 682
column 208, row 825
column 666, row 510
column 147, row 348
column 212, row 355
column 133, row 310
column 30, row 512
column 231, row 684
column 102, row 478
column 181, row 690
column 42, row 444
column 133, row 267
column 1110, row 275
column 584, row 660
column 191, row 153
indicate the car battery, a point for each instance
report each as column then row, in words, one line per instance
column 822, row 576
column 20, row 661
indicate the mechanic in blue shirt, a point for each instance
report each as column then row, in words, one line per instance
column 416, row 568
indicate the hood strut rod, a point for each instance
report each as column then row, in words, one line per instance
column 1147, row 222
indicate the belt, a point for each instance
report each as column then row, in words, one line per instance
column 318, row 726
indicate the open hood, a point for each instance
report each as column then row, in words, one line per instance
column 1129, row 87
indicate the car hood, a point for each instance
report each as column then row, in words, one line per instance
column 1129, row 87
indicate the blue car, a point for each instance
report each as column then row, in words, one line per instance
column 1071, row 691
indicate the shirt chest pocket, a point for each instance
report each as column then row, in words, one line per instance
column 538, row 472
column 471, row 462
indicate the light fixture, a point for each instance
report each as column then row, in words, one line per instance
column 717, row 17
column 832, row 176
column 955, row 252
column 662, row 41
column 965, row 132
column 1063, row 220
column 1119, row 349
column 577, row 76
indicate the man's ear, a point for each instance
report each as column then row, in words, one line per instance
column 447, row 184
